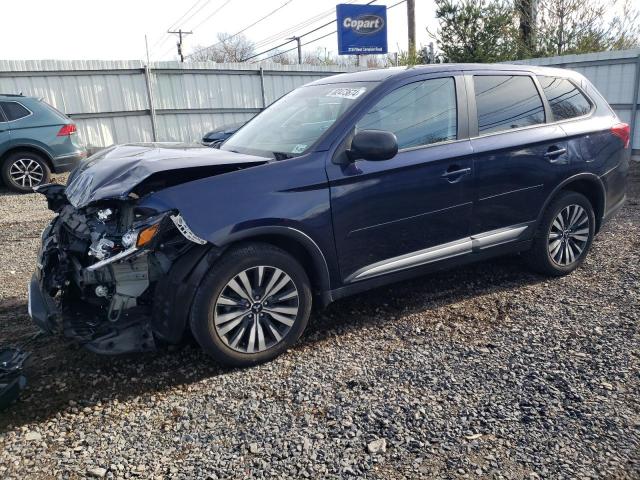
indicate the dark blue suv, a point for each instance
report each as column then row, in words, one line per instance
column 343, row 185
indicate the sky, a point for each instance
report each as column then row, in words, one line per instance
column 115, row 29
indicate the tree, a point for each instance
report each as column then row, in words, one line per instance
column 496, row 30
column 527, row 14
column 582, row 26
column 476, row 30
column 229, row 48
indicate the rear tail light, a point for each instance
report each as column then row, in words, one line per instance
column 67, row 130
column 623, row 132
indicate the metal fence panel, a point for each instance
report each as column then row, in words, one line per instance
column 189, row 127
column 109, row 100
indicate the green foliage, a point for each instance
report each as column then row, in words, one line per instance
column 582, row 26
column 501, row 30
column 406, row 58
column 476, row 30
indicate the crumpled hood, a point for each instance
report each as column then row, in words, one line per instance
column 115, row 171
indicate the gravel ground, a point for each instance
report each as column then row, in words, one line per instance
column 482, row 371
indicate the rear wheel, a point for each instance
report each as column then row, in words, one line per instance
column 21, row 171
column 564, row 235
column 253, row 305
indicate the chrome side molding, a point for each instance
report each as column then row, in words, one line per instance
column 497, row 237
column 445, row 251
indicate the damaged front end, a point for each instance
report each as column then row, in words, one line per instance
column 98, row 269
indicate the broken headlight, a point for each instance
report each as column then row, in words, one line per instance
column 139, row 236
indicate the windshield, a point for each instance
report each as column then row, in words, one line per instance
column 295, row 122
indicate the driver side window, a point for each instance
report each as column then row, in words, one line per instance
column 419, row 113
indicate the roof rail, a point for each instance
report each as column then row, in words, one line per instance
column 11, row 95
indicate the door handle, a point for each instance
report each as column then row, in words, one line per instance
column 458, row 172
column 556, row 152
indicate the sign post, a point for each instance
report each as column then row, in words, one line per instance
column 362, row 29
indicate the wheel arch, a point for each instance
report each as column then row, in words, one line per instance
column 174, row 293
column 28, row 148
column 295, row 242
column 587, row 184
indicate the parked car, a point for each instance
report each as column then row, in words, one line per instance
column 346, row 184
column 35, row 140
column 216, row 137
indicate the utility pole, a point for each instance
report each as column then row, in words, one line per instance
column 180, row 33
column 297, row 39
column 411, row 27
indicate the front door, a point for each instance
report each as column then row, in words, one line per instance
column 386, row 213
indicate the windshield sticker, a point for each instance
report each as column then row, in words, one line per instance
column 350, row 93
column 299, row 148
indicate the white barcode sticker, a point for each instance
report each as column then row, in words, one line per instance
column 344, row 92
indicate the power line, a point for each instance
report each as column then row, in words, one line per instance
column 211, row 14
column 293, row 38
column 293, row 28
column 166, row 37
column 244, row 29
column 177, row 22
column 202, row 22
column 184, row 20
column 296, row 47
column 305, row 34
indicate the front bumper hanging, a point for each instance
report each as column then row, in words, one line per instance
column 130, row 333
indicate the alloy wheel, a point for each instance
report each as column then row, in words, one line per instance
column 26, row 172
column 569, row 235
column 256, row 309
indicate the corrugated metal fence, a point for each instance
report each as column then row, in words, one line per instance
column 125, row 101
column 615, row 74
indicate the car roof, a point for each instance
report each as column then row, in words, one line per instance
column 379, row 75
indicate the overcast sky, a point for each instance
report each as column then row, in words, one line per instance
column 115, row 29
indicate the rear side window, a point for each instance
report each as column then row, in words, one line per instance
column 14, row 111
column 418, row 114
column 565, row 100
column 53, row 109
column 505, row 102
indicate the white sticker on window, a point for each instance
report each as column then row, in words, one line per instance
column 299, row 148
column 344, row 92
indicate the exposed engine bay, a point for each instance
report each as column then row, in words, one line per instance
column 107, row 272
column 107, row 256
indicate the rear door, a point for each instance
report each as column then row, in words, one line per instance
column 518, row 157
column 422, row 197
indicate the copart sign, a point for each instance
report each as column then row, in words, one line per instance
column 362, row 29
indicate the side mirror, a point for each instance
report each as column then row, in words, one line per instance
column 374, row 145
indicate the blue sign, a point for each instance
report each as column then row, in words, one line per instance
column 362, row 29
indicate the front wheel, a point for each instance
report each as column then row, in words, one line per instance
column 253, row 304
column 564, row 235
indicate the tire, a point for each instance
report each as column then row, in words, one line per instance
column 17, row 164
column 238, row 333
column 574, row 231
